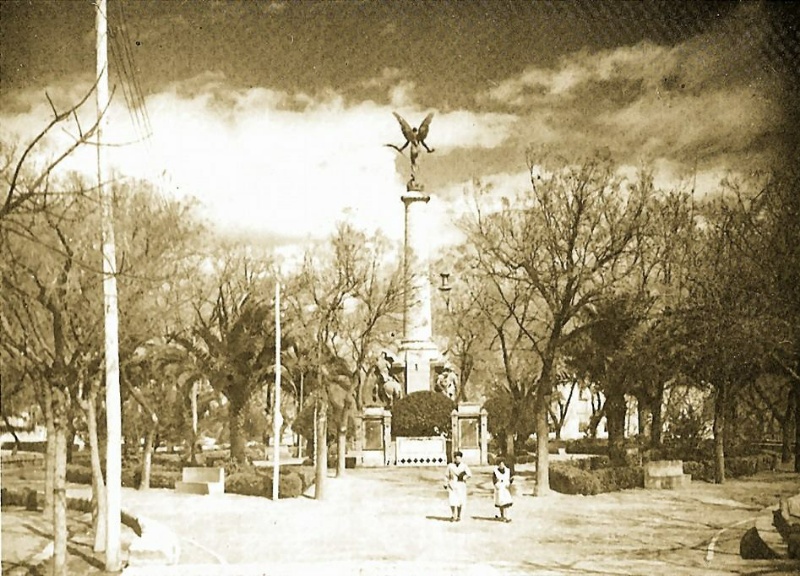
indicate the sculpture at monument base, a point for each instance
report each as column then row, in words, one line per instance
column 447, row 382
column 386, row 388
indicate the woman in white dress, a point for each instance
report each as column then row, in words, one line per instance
column 501, row 477
column 456, row 484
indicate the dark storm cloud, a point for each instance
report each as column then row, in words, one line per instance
column 713, row 99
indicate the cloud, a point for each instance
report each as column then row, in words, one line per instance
column 263, row 160
column 711, row 99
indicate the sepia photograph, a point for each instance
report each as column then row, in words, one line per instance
column 409, row 287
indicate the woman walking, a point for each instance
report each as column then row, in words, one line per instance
column 501, row 477
column 456, row 485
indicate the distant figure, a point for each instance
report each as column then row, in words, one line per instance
column 455, row 482
column 501, row 478
column 387, row 388
column 415, row 137
column 447, row 382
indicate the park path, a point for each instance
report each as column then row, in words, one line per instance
column 389, row 521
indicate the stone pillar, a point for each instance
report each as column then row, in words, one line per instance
column 416, row 347
column 388, row 452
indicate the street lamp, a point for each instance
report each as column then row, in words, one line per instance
column 445, row 288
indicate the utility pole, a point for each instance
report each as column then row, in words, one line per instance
column 320, row 431
column 113, row 408
column 276, row 412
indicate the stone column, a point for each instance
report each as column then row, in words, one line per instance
column 417, row 347
column 388, row 452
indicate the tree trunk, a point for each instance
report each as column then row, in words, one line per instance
column 510, row 449
column 342, row 448
column 236, row 422
column 797, row 426
column 642, row 412
column 13, row 430
column 71, row 433
column 98, row 483
column 542, row 452
column 50, row 455
column 786, row 427
column 719, row 434
column 60, row 484
column 320, row 450
column 615, row 421
column 657, row 425
column 147, row 457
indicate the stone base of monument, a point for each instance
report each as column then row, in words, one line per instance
column 420, row 451
column 665, row 474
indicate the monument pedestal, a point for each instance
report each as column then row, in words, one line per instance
column 419, row 357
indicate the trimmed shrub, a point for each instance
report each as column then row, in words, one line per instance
column 252, row 483
column 593, row 476
column 290, row 486
column 735, row 467
column 597, row 446
column 79, row 474
column 247, row 484
column 569, row 479
column 307, row 475
column 617, row 478
column 423, row 413
column 27, row 446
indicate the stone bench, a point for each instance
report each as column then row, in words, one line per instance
column 669, row 474
column 197, row 480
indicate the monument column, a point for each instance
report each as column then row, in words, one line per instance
column 417, row 346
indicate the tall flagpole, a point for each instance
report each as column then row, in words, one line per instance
column 276, row 412
column 113, row 408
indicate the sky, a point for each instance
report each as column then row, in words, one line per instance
column 275, row 115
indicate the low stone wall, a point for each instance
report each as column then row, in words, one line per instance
column 420, row 451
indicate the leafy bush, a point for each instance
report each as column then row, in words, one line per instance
column 307, row 475
column 569, row 479
column 593, row 476
column 26, row 497
column 423, row 413
column 617, row 478
column 598, row 446
column 252, row 483
column 247, row 484
column 735, row 467
column 131, row 476
column 79, row 474
column 27, row 446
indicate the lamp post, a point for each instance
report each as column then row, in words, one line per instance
column 445, row 288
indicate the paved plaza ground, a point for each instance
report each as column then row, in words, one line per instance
column 395, row 521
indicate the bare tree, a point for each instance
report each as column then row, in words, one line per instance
column 566, row 243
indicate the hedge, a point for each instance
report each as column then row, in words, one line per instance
column 735, row 467
column 243, row 480
column 569, row 479
column 423, row 413
column 592, row 476
column 258, row 484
